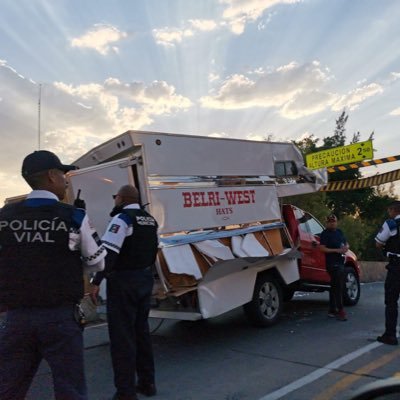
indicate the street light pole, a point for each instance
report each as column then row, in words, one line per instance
column 39, row 105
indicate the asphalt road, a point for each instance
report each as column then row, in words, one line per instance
column 306, row 356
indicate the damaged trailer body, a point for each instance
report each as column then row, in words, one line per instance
column 223, row 243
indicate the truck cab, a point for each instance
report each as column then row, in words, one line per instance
column 305, row 231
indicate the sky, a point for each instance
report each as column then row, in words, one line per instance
column 249, row 69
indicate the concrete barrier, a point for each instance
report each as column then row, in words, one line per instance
column 372, row 271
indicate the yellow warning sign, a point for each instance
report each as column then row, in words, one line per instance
column 340, row 155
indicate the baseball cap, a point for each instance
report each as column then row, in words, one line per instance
column 43, row 160
column 331, row 218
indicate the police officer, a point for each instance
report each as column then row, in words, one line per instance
column 388, row 239
column 43, row 244
column 131, row 241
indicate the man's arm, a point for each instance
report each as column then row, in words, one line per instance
column 112, row 239
column 382, row 237
column 325, row 249
column 110, row 261
column 84, row 238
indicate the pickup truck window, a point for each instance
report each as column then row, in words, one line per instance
column 307, row 223
column 314, row 226
column 303, row 226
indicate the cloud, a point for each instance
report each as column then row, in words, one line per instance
column 295, row 90
column 275, row 88
column 354, row 98
column 213, row 77
column 170, row 36
column 395, row 112
column 100, row 38
column 306, row 103
column 203, row 24
column 120, row 106
column 263, row 23
column 73, row 118
column 157, row 98
column 257, row 137
column 238, row 13
column 394, row 76
column 235, row 16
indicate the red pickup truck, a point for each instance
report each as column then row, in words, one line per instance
column 305, row 231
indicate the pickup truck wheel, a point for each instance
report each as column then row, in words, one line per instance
column 351, row 293
column 266, row 305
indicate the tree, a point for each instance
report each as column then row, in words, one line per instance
column 339, row 136
column 307, row 145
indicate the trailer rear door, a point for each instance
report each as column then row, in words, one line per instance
column 98, row 184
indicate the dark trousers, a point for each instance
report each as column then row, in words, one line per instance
column 336, row 272
column 392, row 292
column 31, row 334
column 128, row 306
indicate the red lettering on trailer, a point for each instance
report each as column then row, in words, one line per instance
column 187, row 199
column 200, row 199
column 240, row 196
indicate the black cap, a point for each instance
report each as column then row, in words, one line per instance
column 43, row 160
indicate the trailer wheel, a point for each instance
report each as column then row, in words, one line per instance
column 266, row 305
column 352, row 291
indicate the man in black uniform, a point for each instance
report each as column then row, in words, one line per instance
column 131, row 241
column 388, row 239
column 43, row 243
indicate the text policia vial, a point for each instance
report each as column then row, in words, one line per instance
column 34, row 231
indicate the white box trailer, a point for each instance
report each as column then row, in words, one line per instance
column 222, row 241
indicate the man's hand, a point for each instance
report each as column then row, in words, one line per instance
column 344, row 248
column 94, row 293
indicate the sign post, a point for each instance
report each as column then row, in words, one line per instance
column 340, row 155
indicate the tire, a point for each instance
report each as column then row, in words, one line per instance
column 266, row 305
column 352, row 291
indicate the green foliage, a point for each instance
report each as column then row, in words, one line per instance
column 358, row 233
column 314, row 203
column 307, row 144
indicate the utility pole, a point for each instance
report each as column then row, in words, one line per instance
column 39, row 105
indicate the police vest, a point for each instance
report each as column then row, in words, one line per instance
column 393, row 243
column 37, row 268
column 140, row 249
